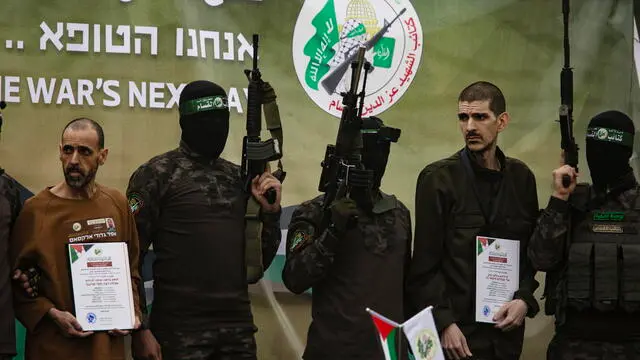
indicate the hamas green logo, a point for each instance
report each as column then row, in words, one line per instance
column 602, row 134
column 328, row 34
column 426, row 344
column 212, row 103
column 135, row 203
column 298, row 239
column 608, row 216
column 610, row 135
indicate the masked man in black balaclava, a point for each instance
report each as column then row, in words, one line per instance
column 190, row 204
column 609, row 148
column 588, row 242
column 351, row 265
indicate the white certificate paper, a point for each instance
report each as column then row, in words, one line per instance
column 101, row 281
column 497, row 275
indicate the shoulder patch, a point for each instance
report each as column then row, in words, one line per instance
column 299, row 240
column 135, row 203
column 306, row 203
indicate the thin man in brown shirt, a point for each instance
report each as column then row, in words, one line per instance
column 76, row 210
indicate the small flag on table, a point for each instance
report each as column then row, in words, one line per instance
column 388, row 332
column 423, row 336
column 420, row 330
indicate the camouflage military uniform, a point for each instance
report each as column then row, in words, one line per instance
column 574, row 349
column 588, row 332
column 192, row 210
column 9, row 208
column 220, row 344
column 364, row 268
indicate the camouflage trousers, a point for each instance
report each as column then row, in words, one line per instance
column 573, row 349
column 489, row 355
column 481, row 355
column 218, row 344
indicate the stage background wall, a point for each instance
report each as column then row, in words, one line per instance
column 517, row 44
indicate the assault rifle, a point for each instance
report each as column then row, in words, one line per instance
column 568, row 143
column 330, row 83
column 256, row 153
column 570, row 148
column 342, row 167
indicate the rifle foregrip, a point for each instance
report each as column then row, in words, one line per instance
column 254, row 103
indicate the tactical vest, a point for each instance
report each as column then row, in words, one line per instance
column 602, row 269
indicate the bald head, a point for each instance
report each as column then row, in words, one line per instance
column 84, row 124
column 82, row 152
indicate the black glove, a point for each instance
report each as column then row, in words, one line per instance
column 33, row 275
column 344, row 215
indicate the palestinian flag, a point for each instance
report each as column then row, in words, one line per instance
column 388, row 332
column 483, row 243
column 76, row 250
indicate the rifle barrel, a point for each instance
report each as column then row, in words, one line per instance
column 355, row 76
column 255, row 51
column 565, row 16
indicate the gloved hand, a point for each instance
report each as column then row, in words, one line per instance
column 29, row 279
column 344, row 214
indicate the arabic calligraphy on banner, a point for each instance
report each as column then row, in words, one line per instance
column 327, row 36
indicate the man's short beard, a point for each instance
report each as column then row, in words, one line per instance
column 79, row 182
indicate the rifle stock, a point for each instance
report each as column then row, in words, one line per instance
column 255, row 152
column 568, row 142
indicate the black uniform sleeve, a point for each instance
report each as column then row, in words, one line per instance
column 528, row 282
column 407, row 267
column 546, row 248
column 271, row 236
column 310, row 250
column 13, row 195
column 426, row 285
column 144, row 194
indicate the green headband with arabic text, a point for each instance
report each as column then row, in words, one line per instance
column 610, row 135
column 217, row 102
